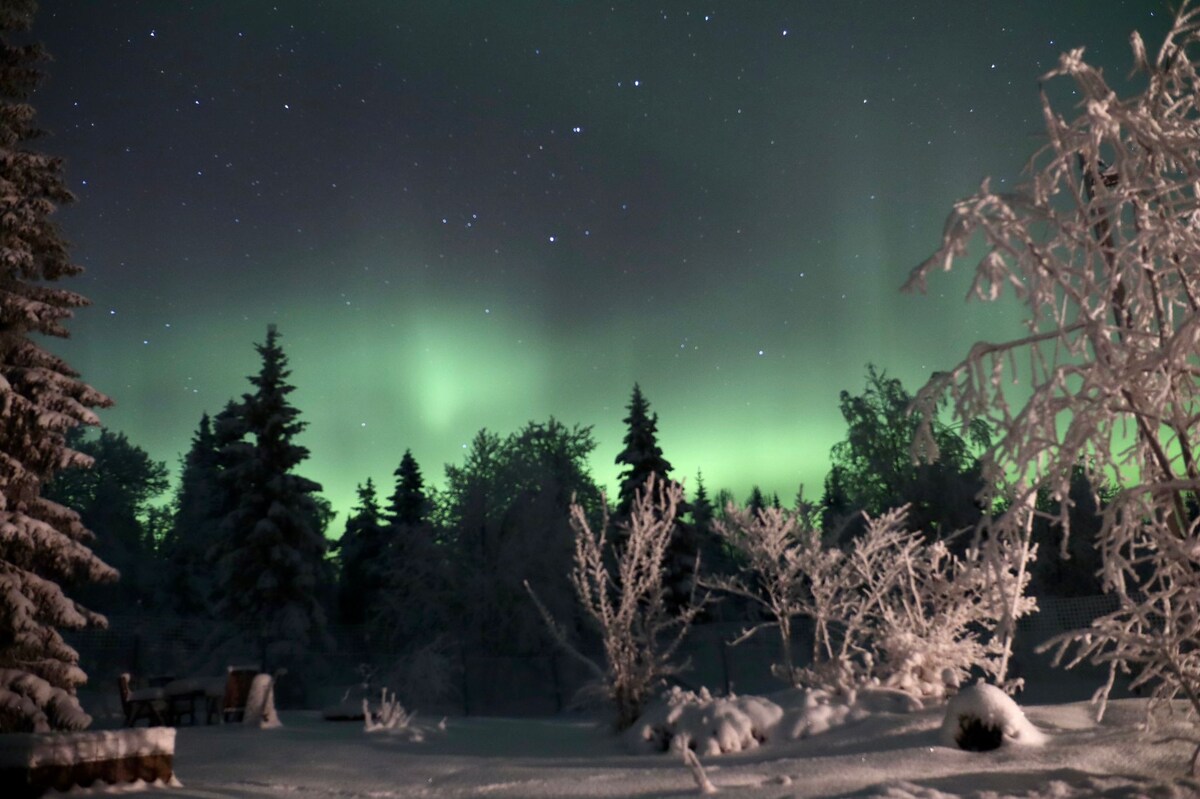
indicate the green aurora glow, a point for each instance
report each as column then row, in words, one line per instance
column 401, row 188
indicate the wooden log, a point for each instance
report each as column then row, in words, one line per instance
column 32, row 764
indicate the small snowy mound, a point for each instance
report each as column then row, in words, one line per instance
column 260, row 704
column 709, row 726
column 816, row 711
column 713, row 726
column 983, row 717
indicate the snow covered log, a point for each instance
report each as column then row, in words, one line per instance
column 32, row 764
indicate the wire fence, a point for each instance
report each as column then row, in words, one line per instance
column 455, row 680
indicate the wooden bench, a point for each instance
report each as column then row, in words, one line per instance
column 148, row 703
column 170, row 701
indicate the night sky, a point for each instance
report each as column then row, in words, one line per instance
column 478, row 214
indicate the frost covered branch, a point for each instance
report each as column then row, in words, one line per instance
column 640, row 635
column 892, row 609
column 1101, row 246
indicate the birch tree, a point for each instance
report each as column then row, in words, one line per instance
column 1102, row 246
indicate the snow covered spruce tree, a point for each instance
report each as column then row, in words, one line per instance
column 639, row 630
column 42, row 543
column 1102, row 246
column 271, row 568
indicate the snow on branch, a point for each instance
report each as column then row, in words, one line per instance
column 1100, row 246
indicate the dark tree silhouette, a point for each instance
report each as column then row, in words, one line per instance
column 644, row 460
column 409, row 504
column 114, row 498
column 508, row 510
column 201, row 502
column 271, row 570
column 641, row 457
column 873, row 469
column 360, row 554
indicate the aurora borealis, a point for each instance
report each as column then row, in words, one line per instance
column 478, row 214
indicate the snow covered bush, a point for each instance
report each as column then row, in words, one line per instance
column 1101, row 246
column 891, row 610
column 780, row 550
column 638, row 631
column 42, row 544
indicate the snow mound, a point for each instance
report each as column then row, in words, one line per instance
column 718, row 725
column 814, row 711
column 707, row 725
column 260, row 704
column 983, row 717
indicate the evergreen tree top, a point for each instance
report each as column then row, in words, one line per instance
column 409, row 504
column 641, row 454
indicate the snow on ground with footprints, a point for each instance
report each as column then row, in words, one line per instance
column 882, row 751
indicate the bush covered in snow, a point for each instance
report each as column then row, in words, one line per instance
column 892, row 610
column 640, row 634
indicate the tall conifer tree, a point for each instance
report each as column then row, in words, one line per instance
column 272, row 571
column 641, row 456
column 202, row 502
column 361, row 552
column 409, row 504
column 41, row 399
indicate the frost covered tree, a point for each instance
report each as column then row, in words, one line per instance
column 779, row 550
column 42, row 544
column 628, row 606
column 1101, row 246
column 271, row 568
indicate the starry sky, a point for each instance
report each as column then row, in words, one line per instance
column 468, row 214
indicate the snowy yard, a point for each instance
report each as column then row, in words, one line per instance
column 887, row 755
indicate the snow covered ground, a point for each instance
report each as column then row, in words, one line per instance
column 892, row 755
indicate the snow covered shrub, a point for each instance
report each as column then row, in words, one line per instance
column 780, row 549
column 982, row 718
column 891, row 610
column 639, row 633
column 1101, row 246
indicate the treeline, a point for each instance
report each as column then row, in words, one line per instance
column 245, row 546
